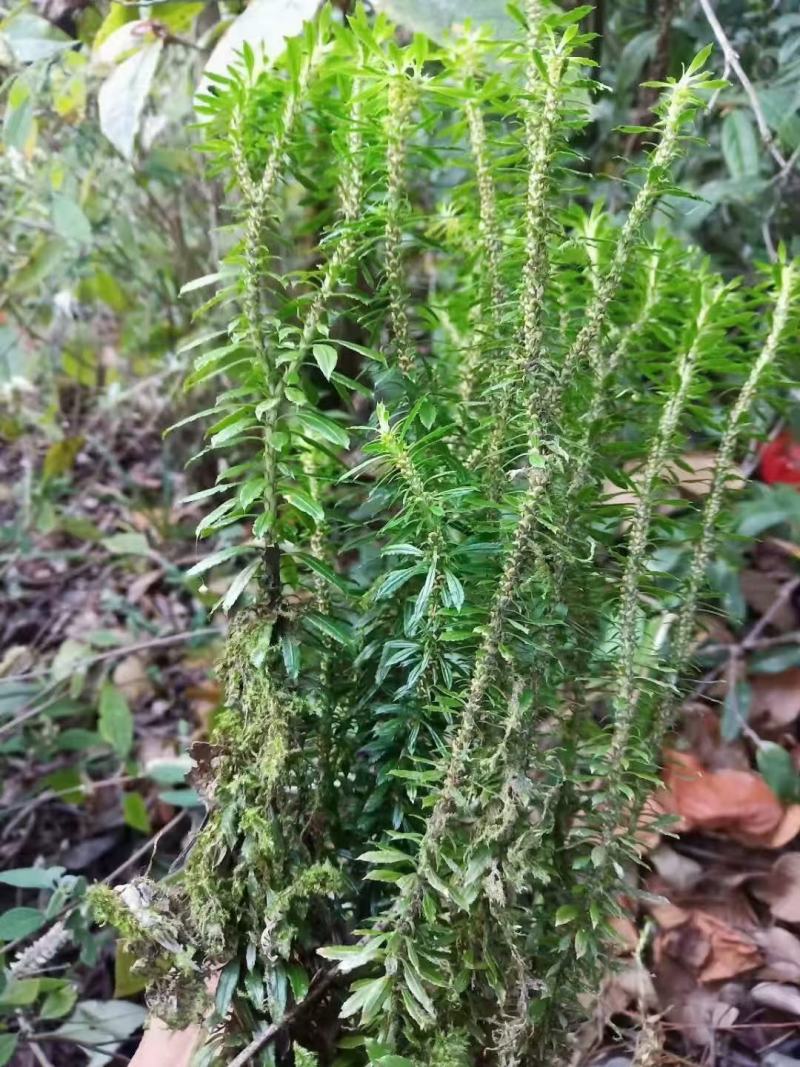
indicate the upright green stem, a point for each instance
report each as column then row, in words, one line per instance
column 588, row 343
column 690, row 593
column 257, row 197
column 638, row 538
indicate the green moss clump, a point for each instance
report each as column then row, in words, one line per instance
column 153, row 929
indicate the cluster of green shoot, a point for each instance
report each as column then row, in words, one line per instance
column 453, row 656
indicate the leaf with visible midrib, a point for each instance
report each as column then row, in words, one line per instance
column 740, row 145
column 115, row 724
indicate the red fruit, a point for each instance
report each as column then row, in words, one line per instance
column 780, row 460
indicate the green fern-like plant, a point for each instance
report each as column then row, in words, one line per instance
column 450, row 663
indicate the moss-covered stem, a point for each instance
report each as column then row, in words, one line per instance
column 684, row 625
column 639, row 533
column 604, row 375
column 257, row 197
column 588, row 344
column 541, row 128
column 351, row 192
column 399, row 104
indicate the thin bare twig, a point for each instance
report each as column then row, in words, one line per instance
column 752, row 638
column 732, row 61
column 151, row 843
column 124, row 650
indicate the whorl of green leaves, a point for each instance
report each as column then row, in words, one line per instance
column 438, row 700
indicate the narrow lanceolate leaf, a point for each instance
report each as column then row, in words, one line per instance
column 300, row 499
column 239, row 584
column 215, row 558
column 423, row 597
column 317, row 425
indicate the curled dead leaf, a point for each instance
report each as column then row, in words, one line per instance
column 737, row 803
column 709, row 947
column 786, row 830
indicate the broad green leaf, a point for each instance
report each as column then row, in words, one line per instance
column 178, row 15
column 32, row 877
column 740, row 145
column 215, row 558
column 134, row 811
column 365, row 997
column 778, row 770
column 20, row 992
column 115, row 722
column 59, row 1002
column 300, row 499
column 326, row 357
column 201, row 283
column 61, row 456
column 20, row 922
column 351, row 957
column 69, row 221
column 775, row 661
column 118, row 15
column 126, row 983
column 31, row 38
column 317, row 425
column 8, row 1046
column 424, row 595
column 438, row 18
column 181, row 798
column 384, row 855
column 98, row 1022
column 127, row 544
column 72, row 656
column 123, row 95
column 263, row 25
column 736, row 711
column 329, row 627
column 226, row 987
column 210, row 521
column 169, row 771
column 567, row 913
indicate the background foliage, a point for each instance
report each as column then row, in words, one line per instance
column 107, row 214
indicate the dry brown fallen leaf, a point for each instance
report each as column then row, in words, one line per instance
column 130, row 675
column 710, row 948
column 780, row 887
column 694, row 473
column 775, row 700
column 786, row 830
column 696, row 1011
column 737, row 803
